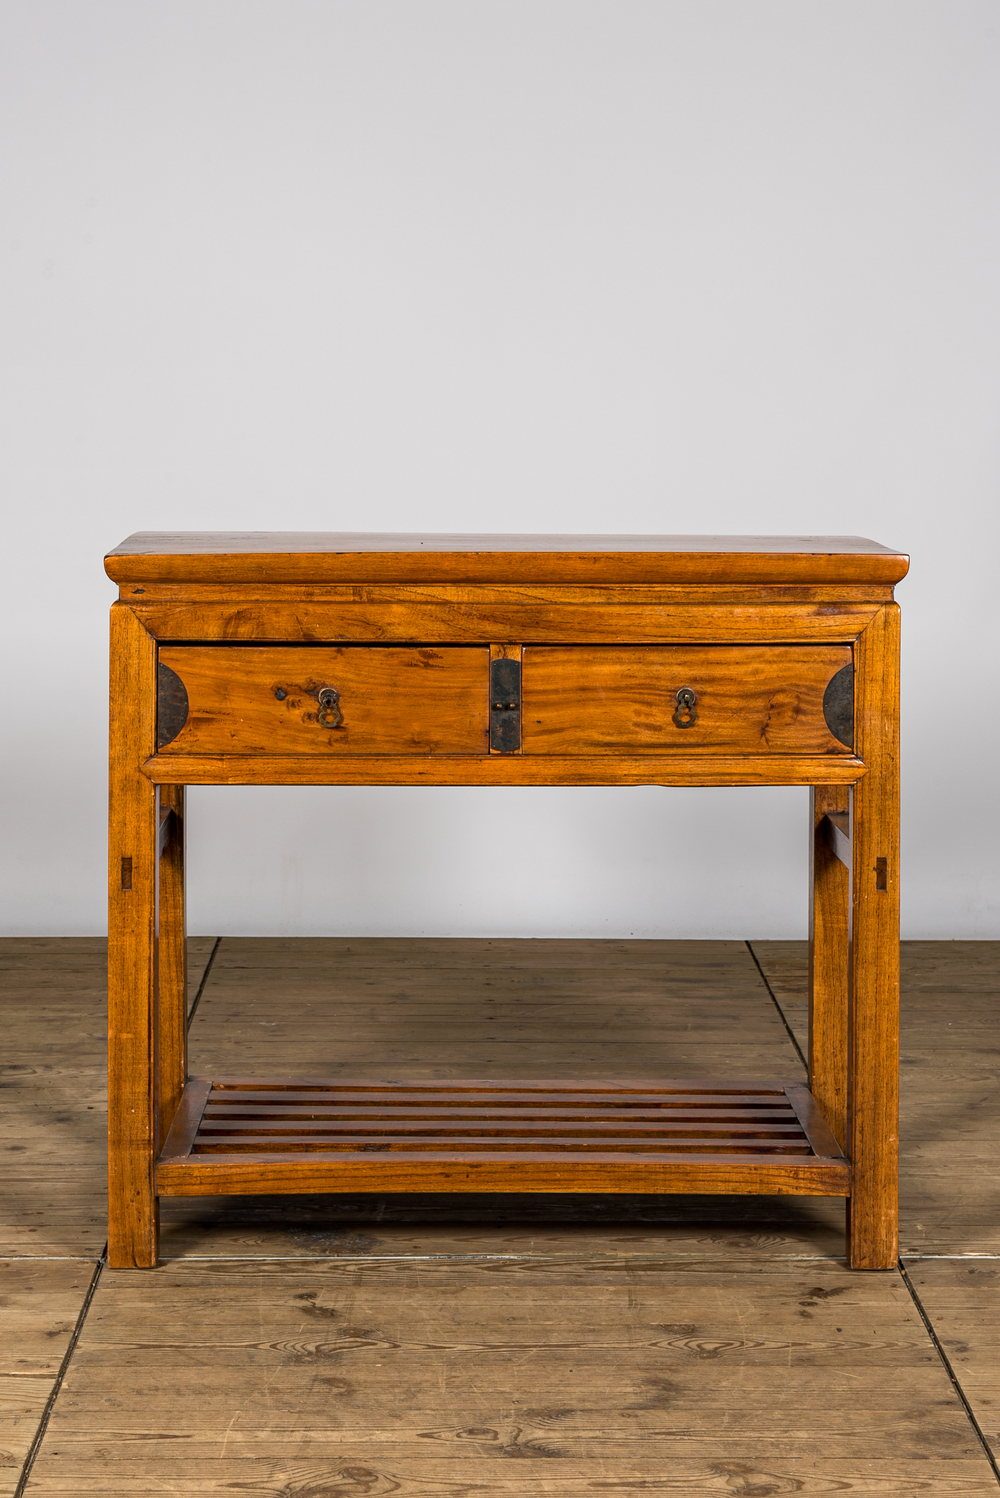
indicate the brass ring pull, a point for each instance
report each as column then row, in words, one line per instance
column 329, row 715
column 685, row 715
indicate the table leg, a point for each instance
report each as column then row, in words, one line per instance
column 133, row 860
column 873, row 1101
column 172, row 964
column 829, row 900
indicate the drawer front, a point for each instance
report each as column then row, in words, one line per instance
column 235, row 699
column 747, row 699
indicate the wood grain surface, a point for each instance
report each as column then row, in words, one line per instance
column 458, row 596
column 829, row 901
column 507, row 1377
column 614, row 699
column 172, row 951
column 873, row 952
column 961, row 1297
column 40, row 1300
column 133, row 1091
column 673, row 768
column 460, row 616
column 298, row 556
column 245, row 700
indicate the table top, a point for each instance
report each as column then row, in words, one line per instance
column 331, row 556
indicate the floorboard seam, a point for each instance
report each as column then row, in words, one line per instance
column 204, row 980
column 929, row 1328
column 464, row 1258
column 781, row 1012
column 43, row 1423
column 907, row 1255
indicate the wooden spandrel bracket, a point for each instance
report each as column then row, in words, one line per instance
column 838, row 835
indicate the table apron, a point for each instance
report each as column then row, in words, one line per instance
column 678, row 769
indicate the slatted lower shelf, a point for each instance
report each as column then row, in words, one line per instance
column 234, row 1136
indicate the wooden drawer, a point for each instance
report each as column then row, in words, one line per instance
column 748, row 699
column 235, row 699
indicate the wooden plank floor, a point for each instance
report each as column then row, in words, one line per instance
column 511, row 1345
column 53, row 1099
column 40, row 1305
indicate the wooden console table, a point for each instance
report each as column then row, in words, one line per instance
column 302, row 659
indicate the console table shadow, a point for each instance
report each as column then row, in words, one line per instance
column 292, row 658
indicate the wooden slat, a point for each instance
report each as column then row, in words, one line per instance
column 218, row 1113
column 462, row 1112
column 702, row 1087
column 475, row 1106
column 728, row 1174
column 459, row 1145
column 424, row 1108
column 403, row 1129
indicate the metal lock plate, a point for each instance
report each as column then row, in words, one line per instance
column 505, row 706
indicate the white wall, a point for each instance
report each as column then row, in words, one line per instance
column 635, row 265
